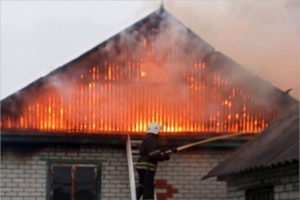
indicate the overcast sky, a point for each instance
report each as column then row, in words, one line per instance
column 39, row 36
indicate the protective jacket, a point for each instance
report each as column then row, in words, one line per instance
column 150, row 153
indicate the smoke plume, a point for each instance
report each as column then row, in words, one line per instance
column 263, row 36
column 158, row 70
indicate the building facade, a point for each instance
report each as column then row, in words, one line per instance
column 28, row 172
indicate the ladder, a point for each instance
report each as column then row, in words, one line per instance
column 132, row 156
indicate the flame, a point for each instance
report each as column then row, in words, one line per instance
column 123, row 98
column 143, row 74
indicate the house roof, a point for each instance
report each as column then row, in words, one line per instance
column 263, row 91
column 214, row 59
column 276, row 145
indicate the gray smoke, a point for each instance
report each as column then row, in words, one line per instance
column 263, row 36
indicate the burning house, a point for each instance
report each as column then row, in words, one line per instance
column 64, row 136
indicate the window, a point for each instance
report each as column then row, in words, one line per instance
column 262, row 193
column 73, row 181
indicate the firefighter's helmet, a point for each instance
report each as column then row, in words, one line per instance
column 154, row 128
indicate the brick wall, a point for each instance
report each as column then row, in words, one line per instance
column 24, row 172
column 285, row 180
column 184, row 172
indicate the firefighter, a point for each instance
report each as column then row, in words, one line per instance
column 150, row 154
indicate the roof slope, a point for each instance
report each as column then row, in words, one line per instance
column 278, row 144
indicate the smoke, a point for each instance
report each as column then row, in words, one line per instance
column 260, row 35
column 149, row 67
column 293, row 10
column 160, row 48
column 154, row 71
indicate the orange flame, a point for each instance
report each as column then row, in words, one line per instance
column 124, row 99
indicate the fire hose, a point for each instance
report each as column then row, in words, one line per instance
column 187, row 146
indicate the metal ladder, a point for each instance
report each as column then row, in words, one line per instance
column 132, row 156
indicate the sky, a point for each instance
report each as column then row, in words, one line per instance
column 39, row 36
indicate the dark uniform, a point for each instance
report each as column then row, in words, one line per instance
column 150, row 154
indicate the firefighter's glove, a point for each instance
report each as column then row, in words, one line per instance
column 165, row 155
column 174, row 150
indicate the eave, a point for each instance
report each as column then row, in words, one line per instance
column 118, row 139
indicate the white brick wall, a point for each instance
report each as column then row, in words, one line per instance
column 285, row 180
column 24, row 174
column 184, row 172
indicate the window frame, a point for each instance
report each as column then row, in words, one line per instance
column 258, row 189
column 75, row 163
